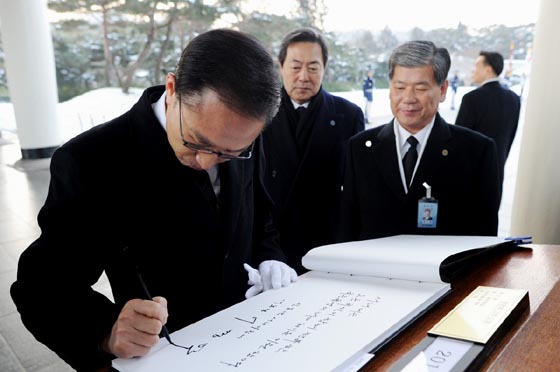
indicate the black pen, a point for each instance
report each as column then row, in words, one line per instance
column 164, row 330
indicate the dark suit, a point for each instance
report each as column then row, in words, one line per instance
column 119, row 198
column 493, row 111
column 305, row 185
column 460, row 165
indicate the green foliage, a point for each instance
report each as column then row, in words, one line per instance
column 145, row 38
column 4, row 94
column 75, row 56
column 269, row 29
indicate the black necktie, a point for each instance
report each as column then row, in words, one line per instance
column 300, row 111
column 410, row 158
column 300, row 126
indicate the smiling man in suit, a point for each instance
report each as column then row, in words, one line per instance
column 390, row 167
column 305, row 147
column 491, row 109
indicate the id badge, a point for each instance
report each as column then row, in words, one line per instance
column 427, row 213
column 427, row 210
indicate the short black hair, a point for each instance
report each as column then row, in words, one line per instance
column 494, row 60
column 304, row 34
column 236, row 67
column 420, row 53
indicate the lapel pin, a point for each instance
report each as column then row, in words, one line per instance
column 444, row 152
column 368, row 143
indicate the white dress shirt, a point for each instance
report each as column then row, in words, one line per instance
column 401, row 136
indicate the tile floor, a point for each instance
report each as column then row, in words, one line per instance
column 21, row 196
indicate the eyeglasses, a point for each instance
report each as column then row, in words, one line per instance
column 244, row 155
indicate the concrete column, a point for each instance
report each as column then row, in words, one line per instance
column 29, row 57
column 536, row 205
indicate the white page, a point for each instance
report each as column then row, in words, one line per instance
column 412, row 257
column 318, row 323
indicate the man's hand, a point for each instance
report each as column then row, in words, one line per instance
column 276, row 274
column 137, row 328
column 255, row 281
column 271, row 274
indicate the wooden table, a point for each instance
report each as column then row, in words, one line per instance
column 533, row 343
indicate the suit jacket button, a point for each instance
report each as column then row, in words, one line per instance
column 273, row 174
column 332, row 123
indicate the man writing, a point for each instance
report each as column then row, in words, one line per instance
column 168, row 198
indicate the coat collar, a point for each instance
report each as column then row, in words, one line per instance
column 324, row 134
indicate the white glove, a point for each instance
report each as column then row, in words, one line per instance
column 276, row 274
column 255, row 281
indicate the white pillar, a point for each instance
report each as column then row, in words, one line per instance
column 30, row 68
column 536, row 206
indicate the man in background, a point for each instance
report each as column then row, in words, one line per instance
column 305, row 147
column 491, row 109
column 367, row 87
column 417, row 161
column 454, row 86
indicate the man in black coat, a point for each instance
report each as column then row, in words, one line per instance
column 169, row 194
column 390, row 168
column 491, row 109
column 305, row 147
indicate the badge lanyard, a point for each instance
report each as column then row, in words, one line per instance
column 427, row 210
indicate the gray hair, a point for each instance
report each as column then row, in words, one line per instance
column 421, row 53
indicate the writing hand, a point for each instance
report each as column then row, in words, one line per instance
column 276, row 274
column 254, row 281
column 137, row 328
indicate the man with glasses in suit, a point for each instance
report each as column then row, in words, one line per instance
column 168, row 198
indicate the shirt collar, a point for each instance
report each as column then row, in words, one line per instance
column 402, row 145
column 402, row 135
column 297, row 105
column 159, row 109
column 490, row 81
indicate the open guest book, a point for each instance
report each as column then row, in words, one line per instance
column 356, row 297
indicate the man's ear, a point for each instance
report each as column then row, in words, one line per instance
column 170, row 88
column 443, row 90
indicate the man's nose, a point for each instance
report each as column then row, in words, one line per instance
column 206, row 161
column 408, row 95
column 303, row 75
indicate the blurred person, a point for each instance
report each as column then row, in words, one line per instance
column 454, row 86
column 367, row 88
column 491, row 109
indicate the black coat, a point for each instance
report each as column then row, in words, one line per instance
column 119, row 198
column 306, row 189
column 459, row 164
column 493, row 111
